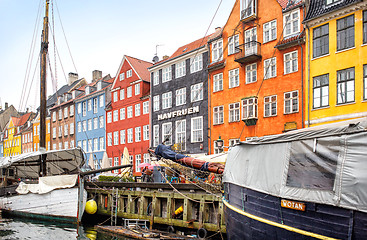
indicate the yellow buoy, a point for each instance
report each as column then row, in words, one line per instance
column 91, row 207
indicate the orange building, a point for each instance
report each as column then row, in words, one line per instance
column 36, row 133
column 256, row 71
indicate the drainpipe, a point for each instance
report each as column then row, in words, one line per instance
column 308, row 76
column 302, row 87
column 209, row 104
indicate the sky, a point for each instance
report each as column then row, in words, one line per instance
column 98, row 33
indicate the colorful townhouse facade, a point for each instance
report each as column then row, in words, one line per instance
column 127, row 116
column 36, row 132
column 256, row 72
column 27, row 137
column 1, row 144
column 179, row 96
column 90, row 132
column 336, row 72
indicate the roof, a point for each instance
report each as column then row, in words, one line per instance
column 186, row 49
column 318, row 8
column 290, row 4
column 66, row 88
column 140, row 67
column 110, row 81
column 291, row 40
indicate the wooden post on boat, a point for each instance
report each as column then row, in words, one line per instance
column 44, row 51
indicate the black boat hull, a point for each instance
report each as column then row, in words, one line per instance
column 254, row 215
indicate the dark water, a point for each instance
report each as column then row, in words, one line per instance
column 15, row 228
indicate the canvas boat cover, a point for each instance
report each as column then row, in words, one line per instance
column 58, row 162
column 326, row 165
column 48, row 184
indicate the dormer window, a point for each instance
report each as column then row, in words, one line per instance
column 99, row 85
column 73, row 94
column 328, row 2
column 87, row 90
column 122, row 76
column 217, row 50
column 248, row 9
column 291, row 23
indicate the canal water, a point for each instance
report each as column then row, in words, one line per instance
column 15, row 228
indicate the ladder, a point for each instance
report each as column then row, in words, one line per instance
column 114, row 204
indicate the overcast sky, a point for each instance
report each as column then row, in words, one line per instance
column 99, row 33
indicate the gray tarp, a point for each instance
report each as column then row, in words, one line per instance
column 324, row 165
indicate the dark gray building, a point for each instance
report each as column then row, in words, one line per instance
column 179, row 99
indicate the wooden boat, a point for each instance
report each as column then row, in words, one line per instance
column 306, row 184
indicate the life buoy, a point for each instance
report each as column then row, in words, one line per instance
column 202, row 233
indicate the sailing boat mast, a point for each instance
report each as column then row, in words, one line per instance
column 44, row 51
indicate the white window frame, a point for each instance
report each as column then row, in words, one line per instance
column 109, row 139
column 291, row 60
column 155, row 135
column 234, row 112
column 130, row 137
column 129, row 73
column 89, row 124
column 71, row 112
column 218, row 115
column 109, row 117
column 95, row 144
column 122, row 114
column 95, row 105
column 95, row 123
column 115, row 115
column 270, row 28
column 155, row 78
column 166, row 100
column 199, row 130
column 270, row 103
column 197, row 92
column 122, row 137
column 137, row 134
column 234, row 78
column 180, row 69
column 146, row 107
column 249, row 108
column 116, row 138
column 291, row 23
column 271, row 65
column 129, row 92
column 167, row 131
column 129, row 111
column 196, row 63
column 180, row 96
column 137, row 162
column 181, row 134
column 66, row 112
column 251, row 73
column 218, row 82
column 233, row 42
column 166, row 74
column 156, row 103
column 101, row 102
column 217, row 50
column 137, row 89
column 101, row 143
column 122, row 76
column 101, row 122
column 291, row 99
column 146, row 132
column 137, row 110
column 84, row 109
column 122, row 94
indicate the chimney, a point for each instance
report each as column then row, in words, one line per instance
column 27, row 110
column 72, row 78
column 165, row 57
column 6, row 105
column 96, row 75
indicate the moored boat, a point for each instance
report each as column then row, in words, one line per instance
column 306, row 184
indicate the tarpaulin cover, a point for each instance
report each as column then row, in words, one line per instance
column 325, row 165
column 47, row 184
column 166, row 152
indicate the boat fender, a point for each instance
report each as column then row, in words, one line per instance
column 91, row 207
column 170, row 229
column 202, row 233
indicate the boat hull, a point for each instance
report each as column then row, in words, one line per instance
column 253, row 215
column 59, row 205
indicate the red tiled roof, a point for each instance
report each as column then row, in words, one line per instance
column 141, row 67
column 23, row 119
column 291, row 39
column 289, row 3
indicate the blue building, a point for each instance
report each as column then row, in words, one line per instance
column 90, row 121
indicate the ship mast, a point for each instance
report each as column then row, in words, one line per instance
column 44, row 51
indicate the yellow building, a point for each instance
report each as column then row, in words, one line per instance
column 36, row 133
column 336, row 61
column 12, row 141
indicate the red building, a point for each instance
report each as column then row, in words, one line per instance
column 127, row 116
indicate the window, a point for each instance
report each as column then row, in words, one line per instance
column 60, row 114
column 345, row 88
column 181, row 135
column 130, row 135
column 248, row 8
column 71, row 128
column 84, row 109
column 146, row 107
column 270, row 68
column 155, row 78
column 122, row 137
column 218, row 82
column 321, row 91
column 365, row 82
column 290, row 102
column 270, row 106
column 80, row 144
column 115, row 163
column 251, row 75
column 166, row 100
column 115, row 115
column 89, row 124
column 234, row 79
column 156, row 103
column 137, row 89
column 233, row 142
column 218, row 117
column 197, row 129
column 54, row 116
column 146, row 158
column 109, row 117
column 364, row 26
column 146, row 132
column 167, row 133
column 234, row 112
column 249, row 108
column 290, row 62
column 95, row 123
column 66, row 112
column 137, row 109
column 166, row 74
column 197, row 92
column 217, row 50
column 233, row 42
column 345, row 32
column 109, row 139
column 79, row 108
column 95, row 143
column 54, row 132
column 60, row 145
column 89, row 104
column 291, row 23
column 122, row 76
column 101, row 103
column 115, row 138
column 155, row 135
column 101, row 122
column 251, row 41
column 180, row 69
column 137, row 162
column 122, row 113
column 129, row 73
column 60, row 131
column 84, row 126
column 85, row 146
column 95, row 105
column 180, row 96
column 196, row 63
column 101, row 143
column 71, row 110
column 129, row 92
column 270, row 31
column 320, row 41
column 137, row 134
column 130, row 112
column 71, row 144
column 122, row 94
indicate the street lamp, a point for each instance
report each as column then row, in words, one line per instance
column 220, row 144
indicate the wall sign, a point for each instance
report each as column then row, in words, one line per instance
column 178, row 113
